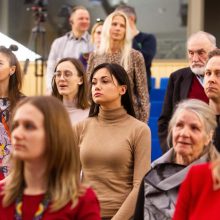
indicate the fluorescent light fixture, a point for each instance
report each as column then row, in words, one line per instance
column 22, row 53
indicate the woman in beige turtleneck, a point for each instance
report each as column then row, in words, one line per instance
column 115, row 147
column 69, row 84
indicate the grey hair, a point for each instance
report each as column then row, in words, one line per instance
column 205, row 114
column 209, row 36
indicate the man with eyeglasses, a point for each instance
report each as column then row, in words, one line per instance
column 186, row 82
column 73, row 44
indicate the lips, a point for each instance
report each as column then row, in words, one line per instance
column 97, row 94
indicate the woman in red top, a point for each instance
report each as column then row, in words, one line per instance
column 44, row 177
column 199, row 196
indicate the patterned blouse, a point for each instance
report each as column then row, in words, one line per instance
column 5, row 143
column 137, row 76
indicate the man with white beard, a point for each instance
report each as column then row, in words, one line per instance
column 186, row 82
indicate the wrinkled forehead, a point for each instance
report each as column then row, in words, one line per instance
column 199, row 43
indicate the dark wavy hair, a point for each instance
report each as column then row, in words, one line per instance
column 15, row 81
column 122, row 77
column 82, row 95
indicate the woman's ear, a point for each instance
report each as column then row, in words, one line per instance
column 12, row 70
column 209, row 138
column 123, row 89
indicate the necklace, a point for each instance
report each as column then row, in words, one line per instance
column 40, row 211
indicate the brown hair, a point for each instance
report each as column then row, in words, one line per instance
column 15, row 81
column 214, row 53
column 82, row 95
column 63, row 166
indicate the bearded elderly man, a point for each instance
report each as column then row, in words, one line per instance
column 186, row 82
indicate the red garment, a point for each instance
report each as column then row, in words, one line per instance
column 197, row 91
column 197, row 200
column 86, row 209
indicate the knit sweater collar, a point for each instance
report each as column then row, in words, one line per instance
column 112, row 115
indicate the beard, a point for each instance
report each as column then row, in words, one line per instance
column 198, row 70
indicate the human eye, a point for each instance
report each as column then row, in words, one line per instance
column 29, row 125
column 207, row 73
column 179, row 124
column 93, row 82
column 68, row 74
column 58, row 74
column 190, row 52
column 218, row 74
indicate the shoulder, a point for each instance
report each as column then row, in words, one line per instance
column 200, row 170
column 137, row 125
column 136, row 55
column 61, row 39
column 182, row 71
column 146, row 36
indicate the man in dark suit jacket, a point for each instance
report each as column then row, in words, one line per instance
column 212, row 89
column 187, row 82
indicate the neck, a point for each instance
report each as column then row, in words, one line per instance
column 4, row 90
column 71, row 102
column 69, row 98
column 115, row 46
column 179, row 159
column 215, row 105
column 77, row 34
column 35, row 178
column 110, row 106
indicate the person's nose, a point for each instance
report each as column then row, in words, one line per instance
column 195, row 57
column 185, row 132
column 97, row 86
column 17, row 133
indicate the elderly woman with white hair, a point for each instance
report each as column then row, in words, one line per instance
column 190, row 137
column 116, row 47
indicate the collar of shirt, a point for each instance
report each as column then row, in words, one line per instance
column 84, row 37
column 200, row 78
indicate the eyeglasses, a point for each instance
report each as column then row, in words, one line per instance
column 67, row 74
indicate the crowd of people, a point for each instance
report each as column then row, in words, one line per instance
column 83, row 151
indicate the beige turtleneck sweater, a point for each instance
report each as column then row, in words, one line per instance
column 115, row 152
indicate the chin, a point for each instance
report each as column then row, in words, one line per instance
column 198, row 70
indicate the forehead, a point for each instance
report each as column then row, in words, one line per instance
column 118, row 18
column 188, row 116
column 4, row 57
column 27, row 111
column 80, row 13
column 101, row 73
column 66, row 65
column 213, row 63
column 199, row 43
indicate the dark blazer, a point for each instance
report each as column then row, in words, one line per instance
column 178, row 88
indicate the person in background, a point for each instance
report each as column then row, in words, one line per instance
column 95, row 39
column 144, row 42
column 186, row 82
column 10, row 94
column 115, row 147
column 212, row 89
column 115, row 47
column 96, row 33
column 73, row 44
column 190, row 138
column 70, row 86
column 44, row 177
